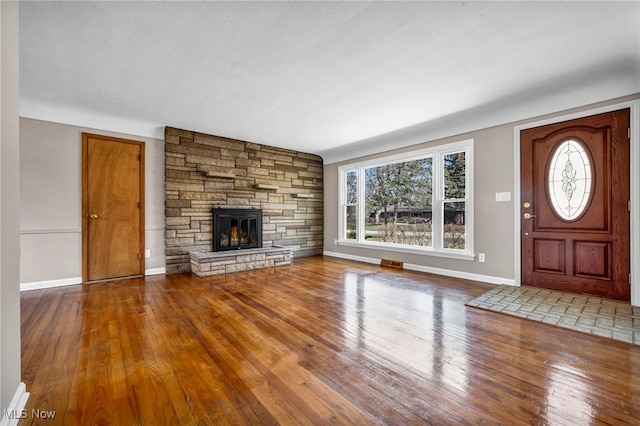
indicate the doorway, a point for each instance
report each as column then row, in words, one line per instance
column 575, row 203
column 112, row 208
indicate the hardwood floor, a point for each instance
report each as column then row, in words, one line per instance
column 324, row 341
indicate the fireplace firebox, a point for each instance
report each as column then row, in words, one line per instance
column 237, row 229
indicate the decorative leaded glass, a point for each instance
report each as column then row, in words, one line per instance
column 570, row 180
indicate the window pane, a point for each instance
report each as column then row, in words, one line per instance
column 454, row 175
column 350, row 216
column 398, row 202
column 454, row 226
column 352, row 187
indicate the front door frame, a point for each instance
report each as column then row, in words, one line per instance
column 634, row 107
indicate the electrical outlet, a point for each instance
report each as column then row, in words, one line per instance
column 481, row 257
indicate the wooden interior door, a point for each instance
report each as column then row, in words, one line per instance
column 112, row 207
column 575, row 205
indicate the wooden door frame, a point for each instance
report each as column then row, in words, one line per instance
column 634, row 107
column 85, row 198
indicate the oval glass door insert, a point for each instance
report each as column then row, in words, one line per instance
column 570, row 180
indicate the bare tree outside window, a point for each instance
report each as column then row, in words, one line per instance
column 351, row 205
column 454, row 201
column 398, row 202
column 419, row 201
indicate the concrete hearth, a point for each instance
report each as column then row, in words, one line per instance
column 217, row 263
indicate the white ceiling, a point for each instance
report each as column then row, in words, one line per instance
column 338, row 79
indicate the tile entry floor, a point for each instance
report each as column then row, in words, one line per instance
column 589, row 314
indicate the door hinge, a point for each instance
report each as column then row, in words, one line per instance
column 139, row 255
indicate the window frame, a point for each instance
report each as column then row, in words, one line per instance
column 437, row 153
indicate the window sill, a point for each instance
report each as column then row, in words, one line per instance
column 460, row 255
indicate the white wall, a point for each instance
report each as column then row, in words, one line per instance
column 51, row 202
column 12, row 394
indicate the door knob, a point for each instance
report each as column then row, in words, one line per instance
column 529, row 215
column 93, row 216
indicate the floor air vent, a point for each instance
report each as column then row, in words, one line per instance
column 391, row 263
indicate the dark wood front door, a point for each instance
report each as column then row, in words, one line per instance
column 113, row 207
column 575, row 205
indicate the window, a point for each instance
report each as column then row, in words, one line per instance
column 350, row 203
column 419, row 202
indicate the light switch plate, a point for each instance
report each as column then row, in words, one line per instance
column 503, row 196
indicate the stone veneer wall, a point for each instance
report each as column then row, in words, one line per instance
column 292, row 212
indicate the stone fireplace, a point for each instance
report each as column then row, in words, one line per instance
column 237, row 245
column 204, row 173
column 236, row 229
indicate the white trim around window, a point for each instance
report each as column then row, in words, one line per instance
column 437, row 155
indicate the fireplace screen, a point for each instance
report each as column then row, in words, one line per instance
column 235, row 229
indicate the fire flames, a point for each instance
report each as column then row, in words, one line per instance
column 237, row 236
